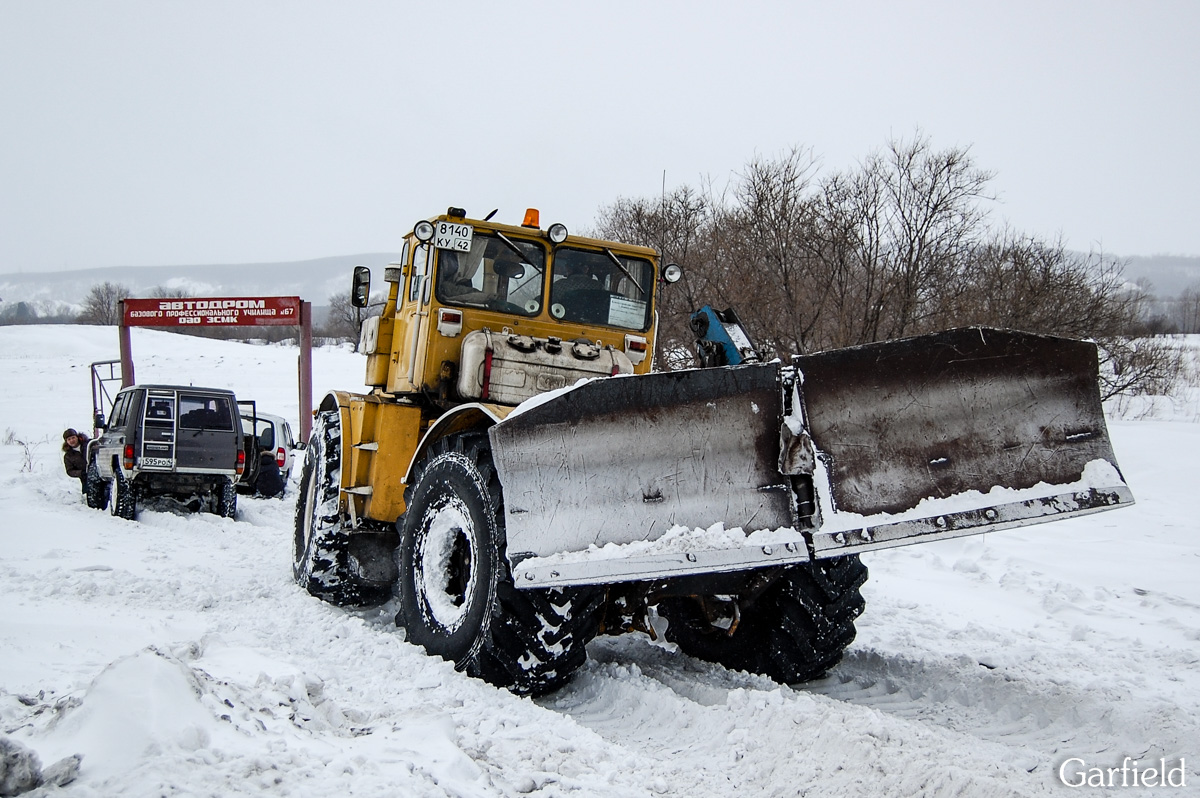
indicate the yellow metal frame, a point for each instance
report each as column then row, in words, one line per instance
column 408, row 327
column 384, row 432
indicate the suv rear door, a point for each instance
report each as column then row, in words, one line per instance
column 207, row 439
column 158, row 431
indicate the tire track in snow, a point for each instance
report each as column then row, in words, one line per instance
column 1026, row 725
column 757, row 737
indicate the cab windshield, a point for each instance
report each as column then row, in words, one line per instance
column 601, row 288
column 493, row 275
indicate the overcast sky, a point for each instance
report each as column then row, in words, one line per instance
column 165, row 133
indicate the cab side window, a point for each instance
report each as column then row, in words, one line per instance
column 420, row 268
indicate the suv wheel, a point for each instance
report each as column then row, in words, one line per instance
column 97, row 487
column 122, row 500
column 225, row 499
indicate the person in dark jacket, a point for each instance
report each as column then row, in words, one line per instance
column 269, row 483
column 75, row 456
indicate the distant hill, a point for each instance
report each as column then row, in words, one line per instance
column 315, row 280
column 311, row 280
column 1169, row 275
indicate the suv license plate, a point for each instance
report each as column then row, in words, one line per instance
column 157, row 462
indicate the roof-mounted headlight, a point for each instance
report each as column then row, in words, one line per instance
column 671, row 272
column 557, row 233
column 423, row 231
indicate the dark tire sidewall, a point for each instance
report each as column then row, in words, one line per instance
column 449, row 487
column 312, row 494
column 304, row 522
column 797, row 630
column 97, row 488
column 123, row 501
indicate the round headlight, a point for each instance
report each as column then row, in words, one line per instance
column 671, row 272
column 423, row 231
column 557, row 233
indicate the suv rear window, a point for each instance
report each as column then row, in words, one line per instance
column 204, row 412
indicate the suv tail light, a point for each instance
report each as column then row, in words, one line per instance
column 280, row 457
column 241, row 461
column 127, row 456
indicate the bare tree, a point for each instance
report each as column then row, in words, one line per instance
column 165, row 292
column 900, row 245
column 345, row 321
column 102, row 305
column 1187, row 314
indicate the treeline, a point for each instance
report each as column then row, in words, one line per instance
column 102, row 306
column 899, row 245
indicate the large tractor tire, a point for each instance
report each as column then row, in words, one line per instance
column 97, row 487
column 122, row 499
column 794, row 632
column 457, row 597
column 321, row 561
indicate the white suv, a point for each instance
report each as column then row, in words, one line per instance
column 269, row 432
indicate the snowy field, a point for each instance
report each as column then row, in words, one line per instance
column 178, row 658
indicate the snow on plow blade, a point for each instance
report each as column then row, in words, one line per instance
column 955, row 433
column 706, row 470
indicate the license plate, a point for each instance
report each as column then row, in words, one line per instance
column 157, row 462
column 448, row 235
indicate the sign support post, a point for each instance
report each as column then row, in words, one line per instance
column 126, row 344
column 305, row 370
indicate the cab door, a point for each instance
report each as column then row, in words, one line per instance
column 411, row 337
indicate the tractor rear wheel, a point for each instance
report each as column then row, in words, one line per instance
column 457, row 597
column 795, row 631
column 321, row 561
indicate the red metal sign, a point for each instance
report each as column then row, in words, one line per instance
column 213, row 311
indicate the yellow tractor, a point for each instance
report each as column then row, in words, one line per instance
column 518, row 479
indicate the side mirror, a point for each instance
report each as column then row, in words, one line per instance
column 513, row 271
column 360, row 288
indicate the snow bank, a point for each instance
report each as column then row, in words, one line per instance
column 177, row 657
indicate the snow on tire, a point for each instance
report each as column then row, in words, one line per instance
column 457, row 597
column 321, row 546
column 97, row 487
column 122, row 500
column 794, row 632
column 225, row 499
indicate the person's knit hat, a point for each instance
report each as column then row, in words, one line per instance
column 68, row 432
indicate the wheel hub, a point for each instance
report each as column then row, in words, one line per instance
column 445, row 563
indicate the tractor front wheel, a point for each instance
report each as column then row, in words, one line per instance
column 457, row 597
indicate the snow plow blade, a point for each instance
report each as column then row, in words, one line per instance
column 723, row 469
column 955, row 433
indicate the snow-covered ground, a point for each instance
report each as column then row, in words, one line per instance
column 176, row 655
